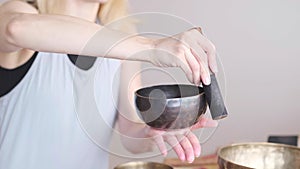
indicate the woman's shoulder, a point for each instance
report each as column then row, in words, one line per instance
column 15, row 59
column 12, row 60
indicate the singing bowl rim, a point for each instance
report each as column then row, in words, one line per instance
column 201, row 91
column 224, row 159
column 134, row 163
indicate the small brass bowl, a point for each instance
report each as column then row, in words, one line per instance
column 259, row 156
column 143, row 165
column 170, row 106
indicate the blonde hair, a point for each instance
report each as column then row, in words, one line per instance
column 108, row 12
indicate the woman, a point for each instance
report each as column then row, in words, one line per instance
column 38, row 123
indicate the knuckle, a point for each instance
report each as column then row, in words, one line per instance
column 194, row 30
column 189, row 149
column 179, row 153
column 179, row 49
column 189, row 32
column 203, row 73
column 184, row 140
column 184, row 43
column 195, row 67
column 211, row 47
column 178, row 149
column 204, row 60
column 185, row 36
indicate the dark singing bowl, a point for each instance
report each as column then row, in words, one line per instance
column 259, row 156
column 170, row 106
column 143, row 165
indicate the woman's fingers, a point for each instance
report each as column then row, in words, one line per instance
column 191, row 51
column 209, row 49
column 161, row 144
column 187, row 147
column 158, row 138
column 212, row 62
column 201, row 57
column 197, row 61
column 193, row 64
column 187, row 70
column 195, row 143
column 173, row 142
column 184, row 143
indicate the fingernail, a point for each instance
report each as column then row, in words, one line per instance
column 182, row 158
column 191, row 159
column 207, row 80
column 198, row 154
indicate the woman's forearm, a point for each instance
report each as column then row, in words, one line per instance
column 66, row 34
column 134, row 132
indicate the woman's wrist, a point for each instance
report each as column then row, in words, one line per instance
column 143, row 50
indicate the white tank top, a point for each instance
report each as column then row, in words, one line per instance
column 42, row 126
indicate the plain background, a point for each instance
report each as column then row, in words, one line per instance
column 258, row 45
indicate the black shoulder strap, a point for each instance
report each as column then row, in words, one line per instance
column 10, row 78
column 82, row 62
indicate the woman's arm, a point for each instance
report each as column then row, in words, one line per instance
column 21, row 27
column 8, row 11
column 133, row 131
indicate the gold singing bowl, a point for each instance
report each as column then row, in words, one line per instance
column 143, row 165
column 259, row 156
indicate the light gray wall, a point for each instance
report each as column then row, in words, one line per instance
column 258, row 45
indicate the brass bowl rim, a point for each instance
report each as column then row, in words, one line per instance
column 253, row 143
column 141, row 162
column 199, row 94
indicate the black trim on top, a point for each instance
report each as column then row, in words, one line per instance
column 10, row 78
column 82, row 62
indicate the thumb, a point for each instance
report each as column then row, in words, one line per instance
column 205, row 122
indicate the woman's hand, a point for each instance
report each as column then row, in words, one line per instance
column 191, row 51
column 183, row 142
